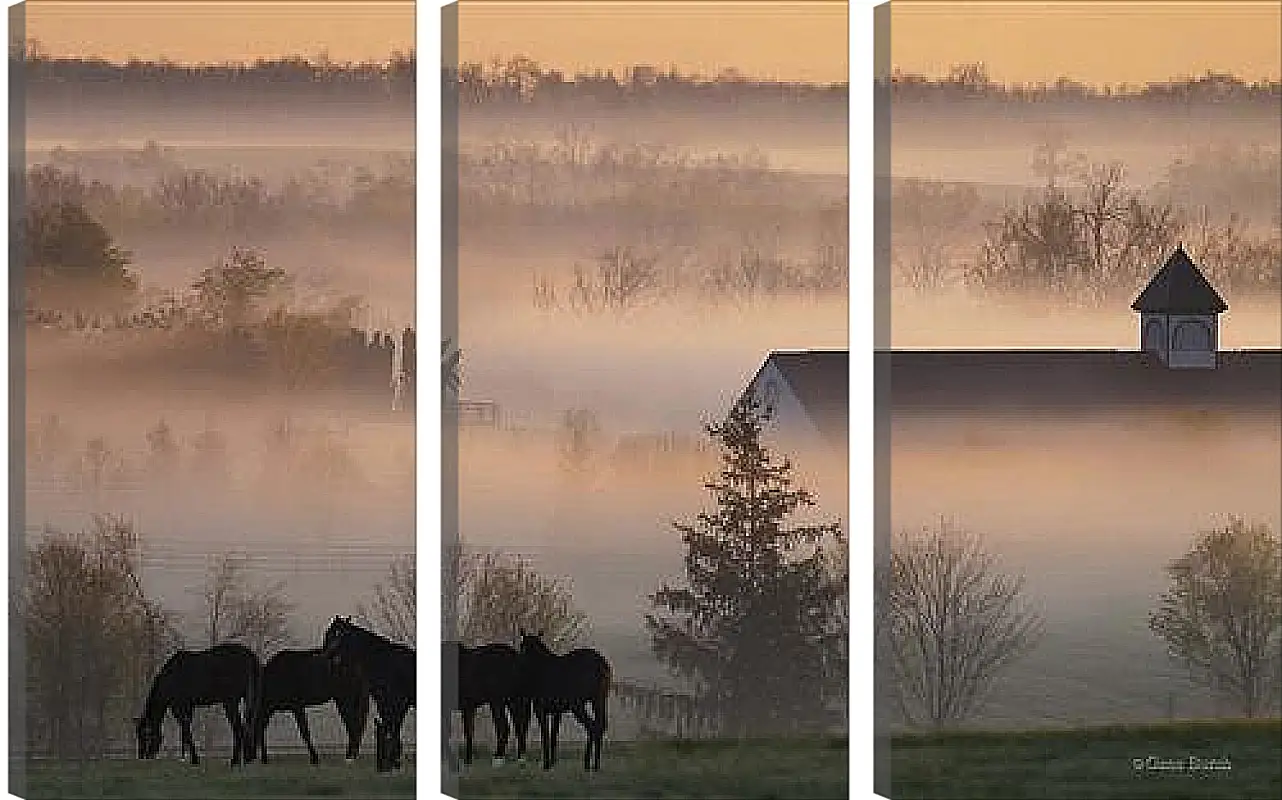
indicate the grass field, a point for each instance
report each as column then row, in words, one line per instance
column 751, row 770
column 1092, row 763
column 814, row 770
column 284, row 777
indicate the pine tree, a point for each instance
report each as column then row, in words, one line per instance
column 760, row 625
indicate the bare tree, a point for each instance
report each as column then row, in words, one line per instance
column 578, row 439
column 927, row 215
column 93, row 639
column 949, row 623
column 1222, row 615
column 623, row 277
column 1097, row 239
column 501, row 594
column 162, row 448
column 235, row 608
column 393, row 609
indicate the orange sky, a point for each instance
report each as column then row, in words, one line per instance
column 787, row 40
column 1095, row 42
column 1099, row 42
column 221, row 30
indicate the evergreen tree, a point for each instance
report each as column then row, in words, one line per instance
column 760, row 625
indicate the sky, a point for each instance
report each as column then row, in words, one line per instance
column 758, row 39
column 1097, row 42
column 223, row 30
column 1094, row 42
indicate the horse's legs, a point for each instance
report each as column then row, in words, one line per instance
column 469, row 722
column 300, row 719
column 520, row 711
column 451, row 758
column 580, row 712
column 598, row 718
column 545, row 737
column 238, row 746
column 355, row 718
column 498, row 713
column 260, row 733
column 556, row 732
column 398, row 723
column 184, row 724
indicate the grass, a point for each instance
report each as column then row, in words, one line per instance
column 1090, row 763
column 814, row 769
column 284, row 777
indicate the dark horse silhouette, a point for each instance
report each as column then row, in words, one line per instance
column 557, row 684
column 296, row 679
column 226, row 674
column 485, row 675
column 388, row 668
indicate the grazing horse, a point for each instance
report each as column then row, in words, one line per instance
column 296, row 679
column 387, row 667
column 486, row 675
column 226, row 674
column 557, row 684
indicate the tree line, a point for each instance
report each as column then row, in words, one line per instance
column 971, row 82
column 1088, row 235
column 518, row 79
column 313, row 455
column 179, row 198
column 41, row 69
column 623, row 279
column 234, row 317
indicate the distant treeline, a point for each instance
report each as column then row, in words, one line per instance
column 522, row 80
column 518, row 79
column 394, row 78
column 195, row 199
column 971, row 82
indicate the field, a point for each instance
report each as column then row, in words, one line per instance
column 814, row 770
column 1091, row 763
column 284, row 777
column 811, row 769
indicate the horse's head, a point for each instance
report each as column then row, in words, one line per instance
column 148, row 737
column 338, row 628
column 532, row 644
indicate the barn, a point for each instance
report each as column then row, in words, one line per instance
column 806, row 395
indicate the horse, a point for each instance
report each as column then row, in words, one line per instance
column 296, row 679
column 387, row 667
column 486, row 675
column 226, row 674
column 556, row 684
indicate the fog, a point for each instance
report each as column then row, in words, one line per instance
column 537, row 205
column 956, row 175
column 1090, row 509
column 956, row 319
column 323, row 509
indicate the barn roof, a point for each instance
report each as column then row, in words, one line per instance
column 820, row 380
column 1179, row 287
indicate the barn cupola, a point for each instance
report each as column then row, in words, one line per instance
column 1180, row 315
